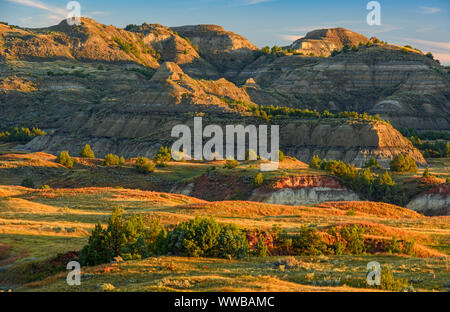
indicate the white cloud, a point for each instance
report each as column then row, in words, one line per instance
column 383, row 29
column 440, row 50
column 444, row 58
column 433, row 44
column 290, row 38
column 310, row 28
column 429, row 10
column 252, row 2
column 61, row 13
column 97, row 13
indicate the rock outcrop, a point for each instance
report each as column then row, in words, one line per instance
column 122, row 90
column 89, row 41
column 435, row 202
column 304, row 190
column 322, row 42
column 227, row 51
column 408, row 89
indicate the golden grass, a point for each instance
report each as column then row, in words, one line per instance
column 373, row 209
column 41, row 223
column 29, row 160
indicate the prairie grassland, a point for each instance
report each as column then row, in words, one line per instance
column 337, row 273
column 36, row 224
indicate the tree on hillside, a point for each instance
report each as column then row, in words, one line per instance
column 402, row 163
column 372, row 163
column 315, row 162
column 258, row 180
column 86, row 152
column 164, row 155
column 65, row 159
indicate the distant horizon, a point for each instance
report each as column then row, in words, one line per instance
column 423, row 24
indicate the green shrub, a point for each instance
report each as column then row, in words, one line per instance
column 144, row 165
column 281, row 156
column 111, row 160
column 390, row 282
column 86, row 152
column 402, row 163
column 232, row 243
column 204, row 237
column 65, row 159
column 97, row 250
column 121, row 160
column 27, row 182
column 258, row 179
column 156, row 236
column 261, row 249
column 372, row 163
column 308, row 242
column 354, row 239
column 164, row 155
column 22, row 135
column 127, row 238
column 315, row 162
column 231, row 163
column 426, row 173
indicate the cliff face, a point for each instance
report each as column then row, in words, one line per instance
column 89, row 41
column 435, row 202
column 324, row 41
column 304, row 190
column 89, row 85
column 352, row 142
column 136, row 118
column 408, row 89
column 225, row 50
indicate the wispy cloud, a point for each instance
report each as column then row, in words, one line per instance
column 440, row 49
column 252, row 2
column 434, row 44
column 290, row 38
column 97, row 13
column 310, row 28
column 429, row 10
column 61, row 13
column 385, row 28
column 444, row 58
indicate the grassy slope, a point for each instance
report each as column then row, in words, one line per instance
column 40, row 223
column 35, row 224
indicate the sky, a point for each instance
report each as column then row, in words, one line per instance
column 423, row 24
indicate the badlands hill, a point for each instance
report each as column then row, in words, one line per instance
column 325, row 41
column 122, row 90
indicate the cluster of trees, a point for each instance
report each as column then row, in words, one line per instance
column 440, row 147
column 401, row 163
column 113, row 160
column 144, row 165
column 367, row 184
column 136, row 238
column 127, row 47
column 22, row 135
column 434, row 149
column 268, row 112
column 355, row 48
column 132, row 238
column 164, row 155
column 427, row 135
column 279, row 51
column 65, row 159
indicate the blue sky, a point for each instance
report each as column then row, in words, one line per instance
column 424, row 24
